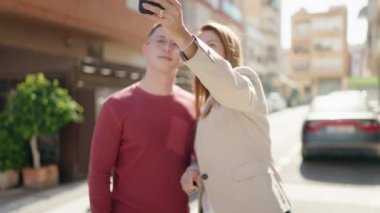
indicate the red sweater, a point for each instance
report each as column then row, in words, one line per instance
column 144, row 142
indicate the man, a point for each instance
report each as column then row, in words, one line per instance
column 143, row 139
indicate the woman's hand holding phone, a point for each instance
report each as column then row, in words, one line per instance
column 169, row 13
column 145, row 11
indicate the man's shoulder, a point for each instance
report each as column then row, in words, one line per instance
column 179, row 91
column 121, row 95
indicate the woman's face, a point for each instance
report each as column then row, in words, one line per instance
column 212, row 40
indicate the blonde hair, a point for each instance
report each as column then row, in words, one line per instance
column 233, row 54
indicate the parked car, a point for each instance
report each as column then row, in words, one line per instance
column 341, row 123
column 276, row 102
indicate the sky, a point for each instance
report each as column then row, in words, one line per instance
column 357, row 28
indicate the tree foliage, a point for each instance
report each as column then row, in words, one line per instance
column 14, row 152
column 42, row 107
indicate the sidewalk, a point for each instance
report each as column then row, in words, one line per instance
column 71, row 197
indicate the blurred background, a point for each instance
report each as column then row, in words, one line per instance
column 301, row 49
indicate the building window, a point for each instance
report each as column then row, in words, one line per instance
column 302, row 28
column 230, row 8
column 301, row 65
column 330, row 64
column 301, row 48
column 327, row 45
column 330, row 24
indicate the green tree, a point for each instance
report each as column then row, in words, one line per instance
column 13, row 149
column 42, row 107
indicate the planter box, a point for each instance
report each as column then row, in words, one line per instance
column 41, row 178
column 9, row 179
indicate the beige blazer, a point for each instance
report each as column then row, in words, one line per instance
column 232, row 142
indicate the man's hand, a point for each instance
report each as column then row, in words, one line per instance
column 191, row 181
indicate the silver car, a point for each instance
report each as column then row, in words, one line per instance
column 341, row 124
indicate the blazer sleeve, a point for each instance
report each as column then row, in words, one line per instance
column 238, row 88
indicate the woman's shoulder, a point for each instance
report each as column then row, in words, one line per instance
column 248, row 71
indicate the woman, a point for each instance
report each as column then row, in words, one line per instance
column 232, row 145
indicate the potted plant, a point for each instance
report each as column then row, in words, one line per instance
column 41, row 107
column 13, row 154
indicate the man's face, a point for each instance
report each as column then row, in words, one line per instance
column 161, row 52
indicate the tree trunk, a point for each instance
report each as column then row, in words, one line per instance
column 35, row 152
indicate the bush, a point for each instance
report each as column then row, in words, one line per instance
column 14, row 152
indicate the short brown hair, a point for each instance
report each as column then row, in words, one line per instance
column 153, row 29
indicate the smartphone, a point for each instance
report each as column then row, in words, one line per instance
column 142, row 10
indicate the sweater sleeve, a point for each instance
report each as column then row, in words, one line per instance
column 238, row 88
column 104, row 149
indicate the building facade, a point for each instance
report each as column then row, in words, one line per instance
column 262, row 46
column 319, row 57
column 199, row 12
column 92, row 46
column 263, row 38
column 373, row 36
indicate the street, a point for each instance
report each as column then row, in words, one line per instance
column 326, row 185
